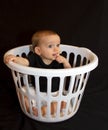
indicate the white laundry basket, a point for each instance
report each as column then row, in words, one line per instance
column 72, row 83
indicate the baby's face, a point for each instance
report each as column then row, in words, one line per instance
column 49, row 48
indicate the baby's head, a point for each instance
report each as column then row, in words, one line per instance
column 46, row 44
column 40, row 37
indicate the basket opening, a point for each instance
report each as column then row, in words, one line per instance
column 76, row 60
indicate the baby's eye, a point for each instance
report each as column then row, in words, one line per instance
column 58, row 45
column 49, row 46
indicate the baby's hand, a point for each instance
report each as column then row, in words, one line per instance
column 60, row 59
column 9, row 57
column 15, row 59
column 63, row 60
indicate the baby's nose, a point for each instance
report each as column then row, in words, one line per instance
column 55, row 48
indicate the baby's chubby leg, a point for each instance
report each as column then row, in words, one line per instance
column 63, row 105
column 34, row 109
column 26, row 101
column 53, row 108
column 44, row 110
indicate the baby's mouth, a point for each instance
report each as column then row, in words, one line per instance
column 55, row 55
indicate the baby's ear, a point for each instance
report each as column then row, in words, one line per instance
column 37, row 50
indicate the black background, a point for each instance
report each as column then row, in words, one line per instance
column 78, row 22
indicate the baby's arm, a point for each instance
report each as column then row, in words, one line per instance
column 19, row 60
column 63, row 60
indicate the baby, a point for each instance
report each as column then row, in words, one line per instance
column 46, row 54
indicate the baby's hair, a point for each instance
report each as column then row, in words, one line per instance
column 38, row 35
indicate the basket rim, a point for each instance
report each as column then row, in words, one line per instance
column 55, row 72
